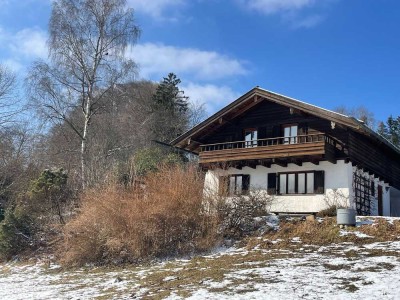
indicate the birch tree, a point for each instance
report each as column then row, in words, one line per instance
column 87, row 44
column 8, row 100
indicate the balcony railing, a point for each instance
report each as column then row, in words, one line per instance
column 300, row 139
column 316, row 145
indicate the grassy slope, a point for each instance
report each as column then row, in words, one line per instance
column 301, row 260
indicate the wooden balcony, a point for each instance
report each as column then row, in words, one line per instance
column 302, row 146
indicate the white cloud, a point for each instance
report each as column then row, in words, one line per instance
column 307, row 22
column 28, row 43
column 12, row 64
column 155, row 8
column 31, row 42
column 214, row 97
column 295, row 13
column 158, row 60
column 276, row 6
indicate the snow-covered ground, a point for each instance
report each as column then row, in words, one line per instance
column 336, row 271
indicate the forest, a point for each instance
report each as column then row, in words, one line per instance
column 85, row 166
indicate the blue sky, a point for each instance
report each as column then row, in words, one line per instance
column 325, row 52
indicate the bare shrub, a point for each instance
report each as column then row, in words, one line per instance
column 336, row 198
column 165, row 218
column 237, row 213
column 331, row 211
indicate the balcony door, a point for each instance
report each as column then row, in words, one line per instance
column 290, row 134
column 250, row 137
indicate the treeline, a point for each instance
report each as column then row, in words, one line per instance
column 84, row 123
column 40, row 172
column 390, row 129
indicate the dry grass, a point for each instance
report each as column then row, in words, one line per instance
column 165, row 218
column 382, row 230
column 326, row 233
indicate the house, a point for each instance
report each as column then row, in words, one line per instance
column 302, row 155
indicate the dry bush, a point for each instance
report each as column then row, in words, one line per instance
column 382, row 230
column 237, row 213
column 327, row 232
column 310, row 232
column 164, row 218
column 331, row 211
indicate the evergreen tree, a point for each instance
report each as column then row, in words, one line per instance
column 170, row 107
column 391, row 130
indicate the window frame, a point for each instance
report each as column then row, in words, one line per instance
column 226, row 181
column 253, row 141
column 296, row 183
column 290, row 139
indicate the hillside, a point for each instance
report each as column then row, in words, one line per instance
column 279, row 264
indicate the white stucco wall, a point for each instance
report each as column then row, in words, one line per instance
column 337, row 176
column 394, row 202
column 386, row 200
column 338, row 179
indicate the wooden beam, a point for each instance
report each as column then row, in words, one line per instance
column 238, row 166
column 331, row 160
column 295, row 111
column 315, row 161
column 265, row 163
column 297, row 162
column 280, row 162
column 251, row 164
column 246, row 107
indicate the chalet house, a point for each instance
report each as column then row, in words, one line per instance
column 301, row 154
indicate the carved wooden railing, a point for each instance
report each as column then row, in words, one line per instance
column 293, row 140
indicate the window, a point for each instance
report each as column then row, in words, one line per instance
column 290, row 134
column 250, row 137
column 234, row 185
column 309, row 182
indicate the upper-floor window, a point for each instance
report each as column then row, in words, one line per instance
column 234, row 185
column 250, row 137
column 290, row 134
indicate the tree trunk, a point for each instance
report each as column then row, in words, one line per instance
column 84, row 147
column 83, row 159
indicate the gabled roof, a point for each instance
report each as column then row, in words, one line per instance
column 254, row 96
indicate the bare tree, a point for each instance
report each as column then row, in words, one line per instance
column 197, row 113
column 87, row 43
column 8, row 100
column 360, row 112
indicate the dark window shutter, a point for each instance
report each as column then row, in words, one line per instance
column 245, row 184
column 319, row 182
column 223, row 188
column 271, row 184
